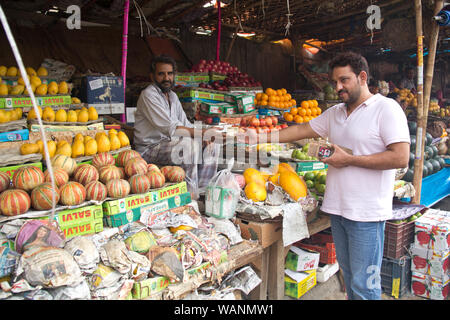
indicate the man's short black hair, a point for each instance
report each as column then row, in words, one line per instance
column 356, row 61
column 162, row 59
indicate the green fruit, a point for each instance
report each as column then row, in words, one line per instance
column 322, row 179
column 302, row 156
column 309, row 184
column 294, row 154
column 310, row 176
column 320, row 188
column 305, row 148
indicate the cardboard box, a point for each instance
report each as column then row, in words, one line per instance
column 104, row 93
column 77, row 128
column 429, row 287
column 112, row 207
column 11, row 169
column 229, row 109
column 42, row 101
column 432, row 231
column 309, row 166
column 16, row 135
column 265, row 233
column 191, row 94
column 296, row 289
column 213, row 108
column 83, row 228
column 142, row 213
column 301, row 259
column 79, row 216
column 431, row 262
column 145, row 288
column 191, row 79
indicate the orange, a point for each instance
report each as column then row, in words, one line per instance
column 289, row 117
column 259, row 96
column 319, row 111
column 263, row 103
column 293, row 102
column 308, row 112
column 284, row 91
column 313, row 111
column 289, row 97
column 277, row 98
column 264, row 96
column 271, row 99
column 306, row 118
column 302, row 111
column 279, row 92
column 298, row 119
column 315, row 103
column 294, row 111
column 269, row 91
column 304, row 104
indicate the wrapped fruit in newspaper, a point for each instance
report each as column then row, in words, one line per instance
column 14, row 202
column 95, row 190
column 42, row 196
column 176, row 174
column 140, row 242
column 27, row 178
column 60, row 177
column 72, row 193
column 118, row 188
column 85, row 253
column 102, row 159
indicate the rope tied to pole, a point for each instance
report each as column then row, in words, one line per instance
column 288, row 15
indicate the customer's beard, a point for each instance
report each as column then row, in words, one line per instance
column 164, row 88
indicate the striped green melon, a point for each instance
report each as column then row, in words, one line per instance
column 42, row 195
column 27, row 178
column 109, row 172
column 102, row 159
column 85, row 173
column 139, row 183
column 14, row 202
column 5, row 181
column 135, row 166
column 72, row 193
column 157, row 179
column 95, row 190
column 118, row 188
column 126, row 155
column 64, row 162
column 61, row 177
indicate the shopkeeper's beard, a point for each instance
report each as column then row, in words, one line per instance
column 165, row 85
column 353, row 95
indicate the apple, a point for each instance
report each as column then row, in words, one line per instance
column 254, row 122
column 268, row 121
column 274, row 120
column 284, row 125
column 262, row 122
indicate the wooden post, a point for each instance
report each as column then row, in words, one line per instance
column 423, row 96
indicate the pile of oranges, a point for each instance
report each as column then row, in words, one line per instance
column 308, row 109
column 275, row 98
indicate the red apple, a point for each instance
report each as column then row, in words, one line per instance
column 262, row 122
column 274, row 120
column 209, row 120
column 269, row 121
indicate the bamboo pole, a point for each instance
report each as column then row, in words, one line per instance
column 423, row 96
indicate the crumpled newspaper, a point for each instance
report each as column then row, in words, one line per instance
column 295, row 227
column 227, row 228
column 78, row 292
column 84, row 252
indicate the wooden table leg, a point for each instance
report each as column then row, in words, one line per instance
column 261, row 264
column 276, row 271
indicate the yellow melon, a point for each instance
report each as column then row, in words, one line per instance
column 293, row 185
column 253, row 175
column 255, row 191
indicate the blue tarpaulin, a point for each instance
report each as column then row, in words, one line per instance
column 435, row 187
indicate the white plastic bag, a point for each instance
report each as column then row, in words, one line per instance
column 222, row 194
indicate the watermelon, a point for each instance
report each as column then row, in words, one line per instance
column 441, row 161
column 428, row 153
column 413, row 143
column 412, row 127
column 409, row 175
column 435, row 151
column 429, row 167
column 428, row 139
column 424, row 171
column 411, row 159
column 436, row 165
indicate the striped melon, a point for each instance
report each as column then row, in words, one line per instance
column 164, row 170
column 85, row 173
column 118, row 188
column 135, row 166
column 157, row 179
column 72, row 193
column 102, row 159
column 139, row 183
column 122, row 172
column 109, row 172
column 42, row 195
column 151, row 167
column 95, row 190
column 60, row 176
column 5, row 181
column 27, row 178
column 14, row 202
column 176, row 174
column 126, row 155
column 64, row 162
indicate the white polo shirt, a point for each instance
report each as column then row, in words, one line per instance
column 356, row 193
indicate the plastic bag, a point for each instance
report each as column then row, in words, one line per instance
column 222, row 194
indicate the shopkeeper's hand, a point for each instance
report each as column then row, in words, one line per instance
column 338, row 159
column 250, row 137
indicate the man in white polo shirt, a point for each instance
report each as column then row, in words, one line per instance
column 359, row 188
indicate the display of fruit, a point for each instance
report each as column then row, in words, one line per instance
column 109, row 172
column 293, row 185
column 10, row 115
column 139, row 183
column 5, row 181
column 302, row 154
column 64, row 162
column 14, row 202
column 61, row 115
column 278, row 98
column 255, row 191
column 42, row 196
column 118, row 188
column 134, row 166
column 95, row 190
column 315, row 180
column 330, row 93
column 308, row 109
column 260, row 124
column 157, row 179
column 27, row 178
column 176, row 174
column 85, row 173
column 406, row 97
column 60, row 177
column 102, row 159
column 72, row 193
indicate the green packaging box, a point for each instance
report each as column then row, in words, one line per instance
column 310, row 166
column 213, row 108
column 201, row 94
column 112, row 207
column 145, row 211
column 145, row 288
column 11, row 169
column 42, row 101
column 79, row 216
column 230, row 110
column 84, row 228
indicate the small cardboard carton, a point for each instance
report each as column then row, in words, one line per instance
column 310, row 166
column 79, row 216
column 434, row 263
column 427, row 286
column 301, row 259
column 145, row 288
column 298, row 283
column 112, row 207
column 432, row 231
column 322, row 149
column 43, row 101
column 213, row 107
column 265, row 233
column 90, row 227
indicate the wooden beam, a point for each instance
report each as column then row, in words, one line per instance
column 186, row 11
column 162, row 9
